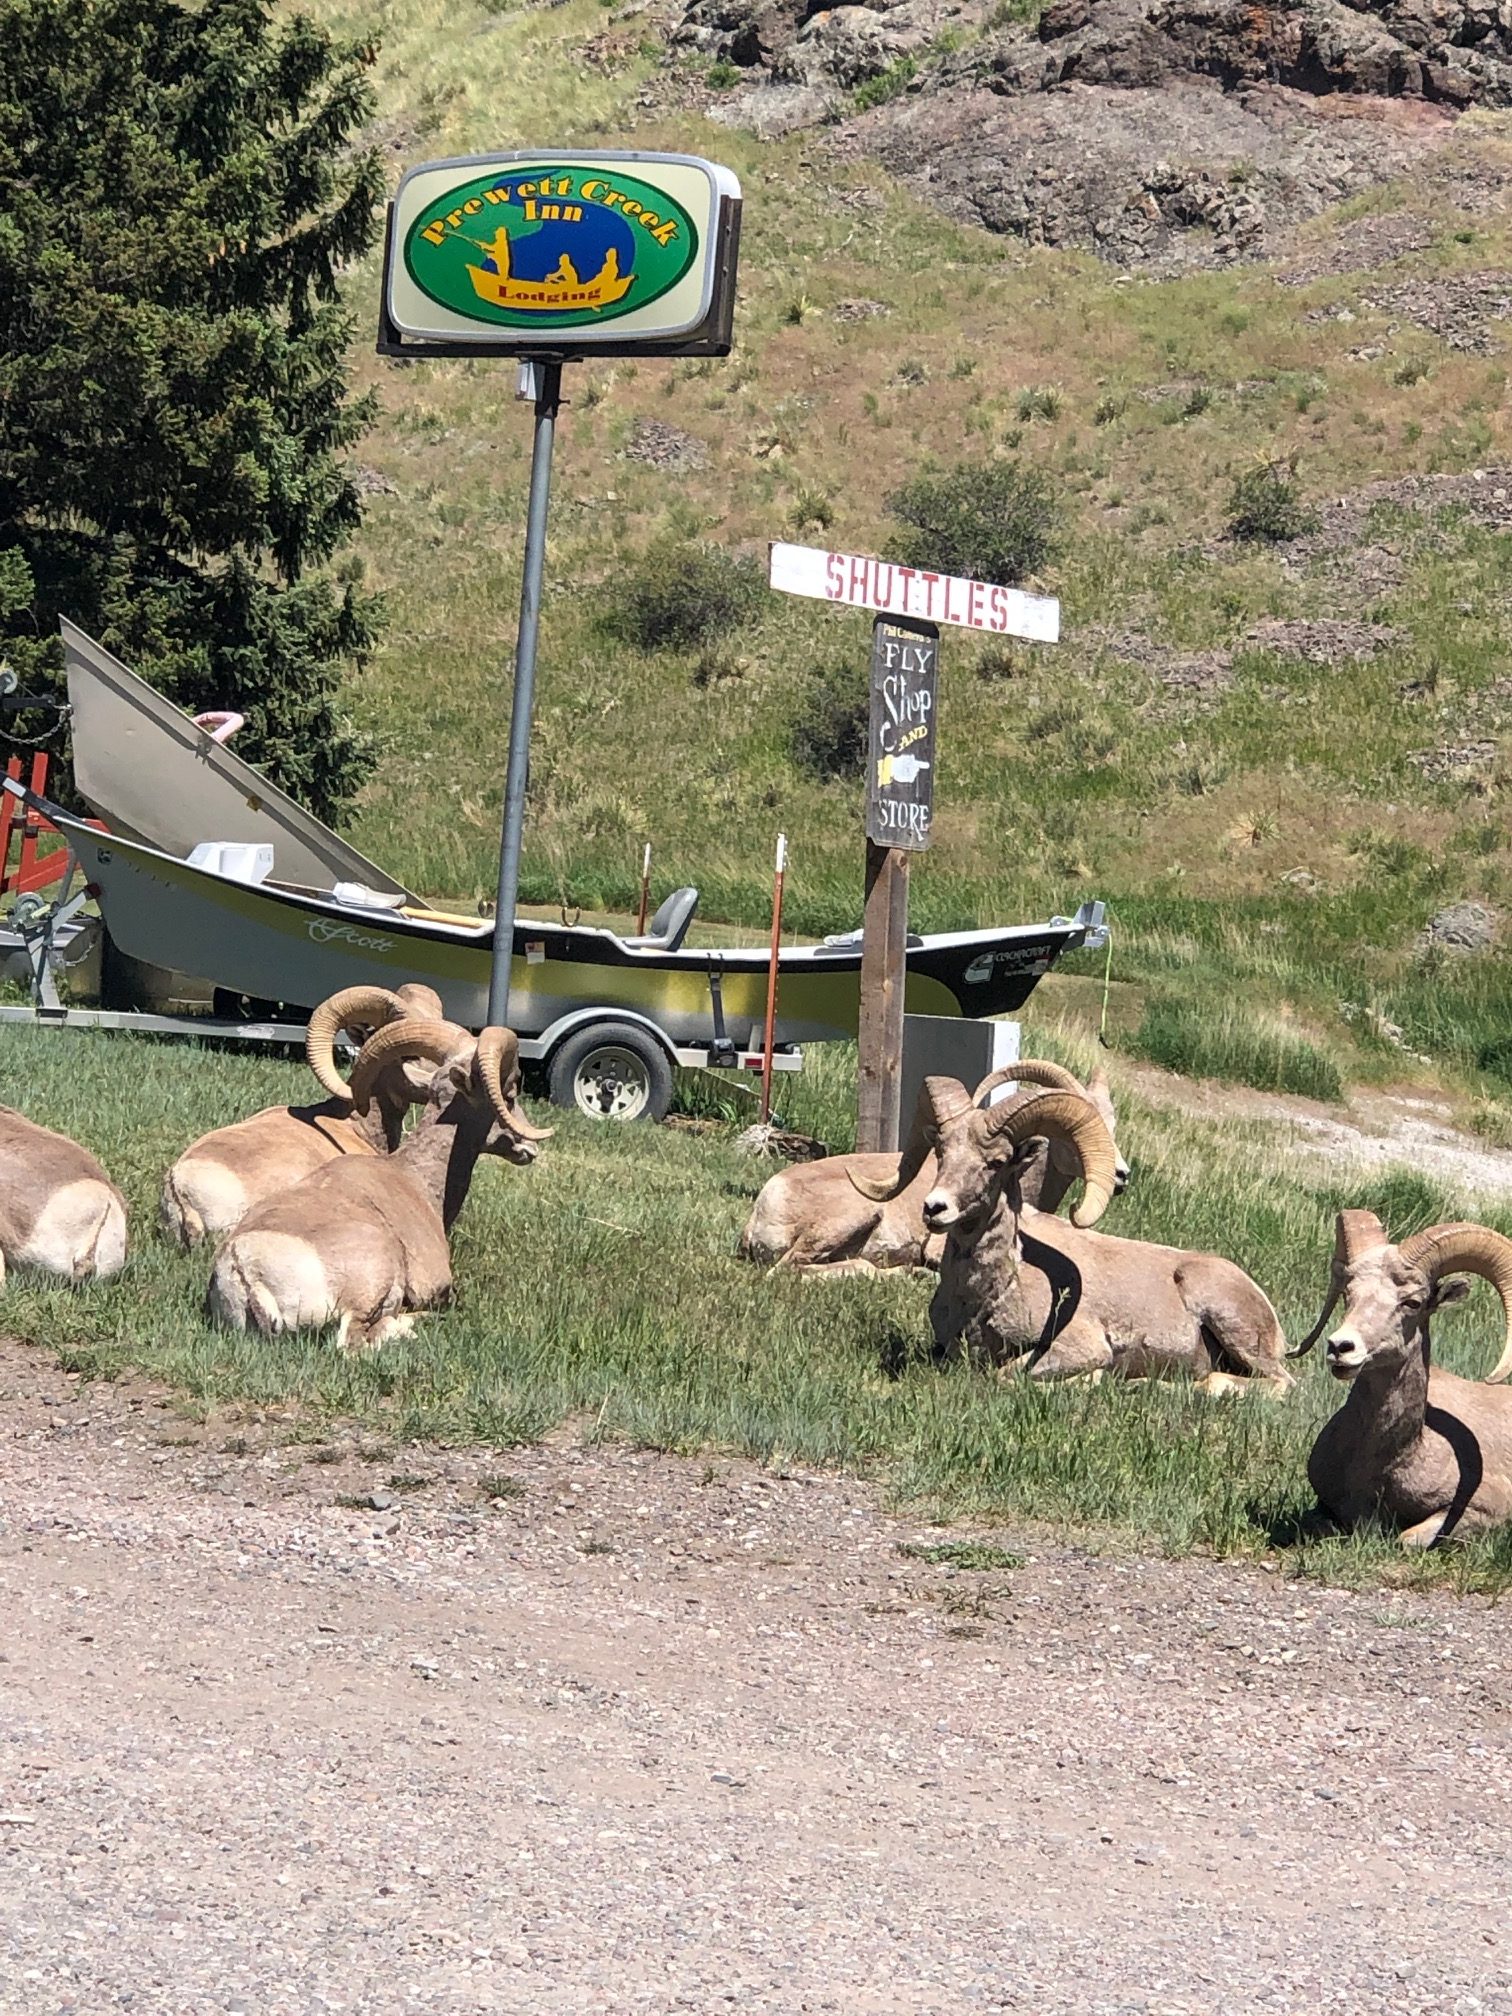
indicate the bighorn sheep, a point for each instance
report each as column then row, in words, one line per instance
column 59, row 1211
column 219, row 1178
column 363, row 1241
column 1021, row 1285
column 810, row 1217
column 1413, row 1444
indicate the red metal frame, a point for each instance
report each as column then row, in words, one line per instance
column 29, row 826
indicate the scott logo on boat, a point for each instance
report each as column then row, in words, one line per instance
column 553, row 246
column 326, row 932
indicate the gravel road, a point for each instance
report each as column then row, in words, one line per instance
column 658, row 1736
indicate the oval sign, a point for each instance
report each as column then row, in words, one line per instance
column 550, row 246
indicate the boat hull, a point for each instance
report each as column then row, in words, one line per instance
column 296, row 948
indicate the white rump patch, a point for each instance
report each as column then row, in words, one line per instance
column 203, row 1200
column 270, row 1281
column 80, row 1233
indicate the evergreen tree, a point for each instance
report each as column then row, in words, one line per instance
column 178, row 191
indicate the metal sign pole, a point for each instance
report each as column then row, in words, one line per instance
column 547, row 385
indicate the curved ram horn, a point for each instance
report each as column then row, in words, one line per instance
column 365, row 1008
column 1028, row 1071
column 1070, row 1117
column 435, row 1041
column 1355, row 1232
column 497, row 1067
column 1468, row 1249
column 941, row 1100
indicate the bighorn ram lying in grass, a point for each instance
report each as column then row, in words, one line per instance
column 1023, row 1286
column 363, row 1242
column 219, row 1178
column 812, row 1218
column 1413, row 1444
column 58, row 1209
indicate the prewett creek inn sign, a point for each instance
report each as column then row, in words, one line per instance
column 583, row 251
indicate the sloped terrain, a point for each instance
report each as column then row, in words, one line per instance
column 1162, row 132
column 1279, row 761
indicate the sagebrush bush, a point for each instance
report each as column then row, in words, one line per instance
column 1265, row 504
column 830, row 728
column 684, row 593
column 995, row 521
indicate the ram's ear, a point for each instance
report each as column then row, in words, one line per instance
column 1443, row 1293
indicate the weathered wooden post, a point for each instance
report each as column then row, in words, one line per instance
column 911, row 603
column 899, row 807
column 546, row 257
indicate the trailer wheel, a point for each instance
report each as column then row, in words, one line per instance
column 612, row 1071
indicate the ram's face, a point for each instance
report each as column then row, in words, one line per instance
column 970, row 1167
column 1387, row 1302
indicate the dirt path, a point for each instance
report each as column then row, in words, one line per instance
column 1377, row 1129
column 657, row 1736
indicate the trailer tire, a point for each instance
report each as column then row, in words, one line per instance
column 612, row 1071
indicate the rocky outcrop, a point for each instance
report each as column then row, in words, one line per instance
column 1155, row 131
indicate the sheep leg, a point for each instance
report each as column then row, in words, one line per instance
column 1238, row 1326
column 1082, row 1348
column 1425, row 1532
column 831, row 1270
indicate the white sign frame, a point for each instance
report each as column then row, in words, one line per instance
column 705, row 189
column 857, row 581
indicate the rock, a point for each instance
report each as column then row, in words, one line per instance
column 1464, row 928
column 1157, row 132
column 665, row 446
column 858, row 310
column 1452, row 760
column 1329, row 641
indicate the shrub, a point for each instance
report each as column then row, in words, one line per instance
column 887, row 84
column 995, row 521
column 723, row 75
column 1264, row 504
column 830, row 729
column 685, row 593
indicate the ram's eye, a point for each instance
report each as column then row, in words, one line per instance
column 1410, row 1302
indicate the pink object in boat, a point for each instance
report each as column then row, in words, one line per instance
column 219, row 726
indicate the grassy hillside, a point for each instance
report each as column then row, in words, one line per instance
column 1256, row 817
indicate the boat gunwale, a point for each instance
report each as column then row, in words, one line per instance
column 590, row 936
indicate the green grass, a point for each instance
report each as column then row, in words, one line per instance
column 1080, row 774
column 600, row 1289
column 1235, row 1043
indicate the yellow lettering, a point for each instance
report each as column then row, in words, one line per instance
column 573, row 213
column 630, row 208
column 434, row 234
column 589, row 191
column 530, row 208
column 497, row 195
column 473, row 205
column 614, row 196
column 526, row 189
column 666, row 233
column 650, row 219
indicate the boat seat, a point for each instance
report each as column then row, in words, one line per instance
column 238, row 860
column 669, row 926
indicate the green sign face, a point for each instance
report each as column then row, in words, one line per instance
column 552, row 245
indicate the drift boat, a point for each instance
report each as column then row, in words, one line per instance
column 219, row 894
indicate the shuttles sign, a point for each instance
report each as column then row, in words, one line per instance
column 910, row 604
column 854, row 581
